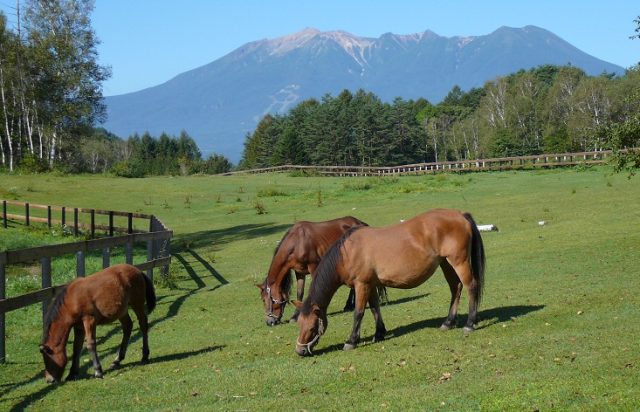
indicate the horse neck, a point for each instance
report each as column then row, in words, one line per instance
column 323, row 287
column 59, row 330
column 277, row 269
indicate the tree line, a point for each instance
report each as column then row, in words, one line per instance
column 548, row 109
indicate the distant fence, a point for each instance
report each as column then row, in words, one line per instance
column 501, row 163
column 156, row 236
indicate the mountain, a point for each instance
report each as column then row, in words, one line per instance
column 219, row 103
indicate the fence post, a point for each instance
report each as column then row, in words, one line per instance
column 64, row 216
column 49, row 216
column 106, row 258
column 4, row 213
column 150, row 247
column 80, row 270
column 129, row 252
column 2, row 327
column 93, row 223
column 130, row 223
column 26, row 213
column 111, row 223
column 46, row 281
column 75, row 221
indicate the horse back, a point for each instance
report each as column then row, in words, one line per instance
column 107, row 294
column 406, row 254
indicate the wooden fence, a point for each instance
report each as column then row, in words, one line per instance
column 156, row 236
column 501, row 163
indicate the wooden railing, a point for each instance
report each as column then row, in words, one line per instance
column 501, row 163
column 157, row 240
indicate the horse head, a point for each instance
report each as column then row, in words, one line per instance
column 274, row 303
column 55, row 361
column 313, row 324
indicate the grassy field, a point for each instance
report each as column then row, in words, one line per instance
column 558, row 329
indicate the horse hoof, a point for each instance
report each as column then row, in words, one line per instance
column 72, row 377
column 98, row 375
column 114, row 365
column 444, row 326
column 349, row 346
column 468, row 329
column 293, row 320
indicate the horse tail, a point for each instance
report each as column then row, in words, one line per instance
column 477, row 256
column 150, row 293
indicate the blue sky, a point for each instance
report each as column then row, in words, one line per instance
column 147, row 42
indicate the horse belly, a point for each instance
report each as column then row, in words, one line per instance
column 408, row 274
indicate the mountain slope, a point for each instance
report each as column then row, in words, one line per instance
column 219, row 103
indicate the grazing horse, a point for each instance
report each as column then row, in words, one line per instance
column 400, row 256
column 300, row 249
column 86, row 302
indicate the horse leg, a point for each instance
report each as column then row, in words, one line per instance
column 299, row 293
column 127, row 326
column 374, row 305
column 143, row 321
column 78, row 340
column 89, row 323
column 455, row 285
column 466, row 276
column 362, row 296
column 350, row 304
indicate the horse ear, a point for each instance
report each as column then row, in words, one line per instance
column 297, row 304
column 260, row 286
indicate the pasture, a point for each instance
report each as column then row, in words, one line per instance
column 558, row 322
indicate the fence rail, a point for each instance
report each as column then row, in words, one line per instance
column 157, row 239
column 501, row 163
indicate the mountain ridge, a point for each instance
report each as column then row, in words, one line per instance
column 220, row 102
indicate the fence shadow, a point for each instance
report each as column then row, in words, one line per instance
column 217, row 237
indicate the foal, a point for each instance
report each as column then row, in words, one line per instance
column 86, row 302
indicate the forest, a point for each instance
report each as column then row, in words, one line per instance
column 548, row 109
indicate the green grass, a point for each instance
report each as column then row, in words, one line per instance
column 558, row 326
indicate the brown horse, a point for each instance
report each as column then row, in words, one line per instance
column 300, row 249
column 95, row 300
column 399, row 256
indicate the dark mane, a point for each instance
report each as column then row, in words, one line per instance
column 324, row 284
column 53, row 311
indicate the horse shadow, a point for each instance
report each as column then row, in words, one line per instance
column 388, row 303
column 34, row 397
column 489, row 317
column 492, row 317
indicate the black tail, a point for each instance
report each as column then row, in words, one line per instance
column 150, row 293
column 477, row 256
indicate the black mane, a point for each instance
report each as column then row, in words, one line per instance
column 324, row 284
column 53, row 311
